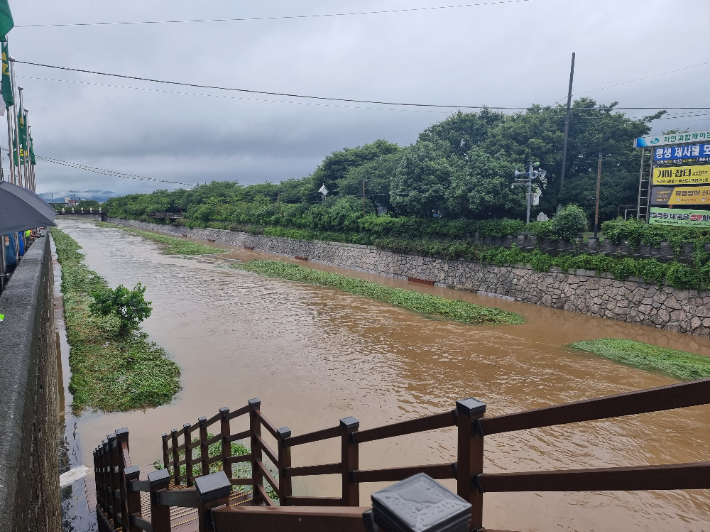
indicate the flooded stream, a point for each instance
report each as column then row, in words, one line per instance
column 315, row 355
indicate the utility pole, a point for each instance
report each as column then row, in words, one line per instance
column 279, row 200
column 599, row 179
column 564, row 144
column 363, row 196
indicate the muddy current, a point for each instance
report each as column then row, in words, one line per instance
column 316, row 355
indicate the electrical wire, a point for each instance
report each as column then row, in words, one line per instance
column 287, row 17
column 327, row 98
column 232, row 97
column 103, row 171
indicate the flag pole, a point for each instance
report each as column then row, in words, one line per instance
column 30, row 149
column 17, row 130
column 28, row 170
column 9, row 144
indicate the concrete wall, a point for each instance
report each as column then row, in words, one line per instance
column 29, row 423
column 686, row 311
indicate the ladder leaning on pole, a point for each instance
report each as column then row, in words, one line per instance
column 645, row 176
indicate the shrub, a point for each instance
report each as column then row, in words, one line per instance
column 569, row 223
column 129, row 306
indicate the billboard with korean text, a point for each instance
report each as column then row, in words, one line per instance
column 680, row 217
column 682, row 175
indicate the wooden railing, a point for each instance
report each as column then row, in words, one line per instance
column 117, row 482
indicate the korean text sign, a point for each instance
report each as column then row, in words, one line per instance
column 682, row 175
column 680, row 196
column 676, row 153
column 684, row 217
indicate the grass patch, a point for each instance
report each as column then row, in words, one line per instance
column 681, row 365
column 176, row 246
column 109, row 373
column 426, row 304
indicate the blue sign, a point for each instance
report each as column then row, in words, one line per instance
column 679, row 153
column 677, row 138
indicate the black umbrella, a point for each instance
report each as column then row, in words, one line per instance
column 22, row 209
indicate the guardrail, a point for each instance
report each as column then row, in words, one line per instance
column 119, row 480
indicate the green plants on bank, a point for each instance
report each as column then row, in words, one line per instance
column 176, row 246
column 426, row 304
column 681, row 365
column 110, row 371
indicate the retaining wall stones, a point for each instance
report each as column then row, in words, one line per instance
column 29, row 417
column 686, row 311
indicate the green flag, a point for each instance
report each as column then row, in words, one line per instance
column 22, row 129
column 32, row 152
column 6, row 22
column 7, row 93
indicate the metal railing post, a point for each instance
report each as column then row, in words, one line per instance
column 470, row 457
column 350, row 461
column 285, row 488
column 256, row 454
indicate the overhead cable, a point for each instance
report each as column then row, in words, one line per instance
column 287, row 17
column 326, row 98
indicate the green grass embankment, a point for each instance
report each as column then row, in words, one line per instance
column 681, row 365
column 429, row 305
column 176, row 246
column 109, row 372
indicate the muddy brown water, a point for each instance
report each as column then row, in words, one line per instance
column 315, row 355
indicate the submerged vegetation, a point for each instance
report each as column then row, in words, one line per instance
column 426, row 304
column 111, row 371
column 176, row 246
column 681, row 365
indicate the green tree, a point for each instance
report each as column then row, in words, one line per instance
column 128, row 306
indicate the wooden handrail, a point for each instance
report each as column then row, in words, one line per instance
column 658, row 477
column 436, row 421
column 306, row 471
column 315, row 501
column 268, row 425
column 267, row 474
column 239, row 436
column 311, row 437
column 400, row 473
column 626, row 404
column 293, row 519
column 268, row 450
column 239, row 412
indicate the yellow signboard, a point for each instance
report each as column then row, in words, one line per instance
column 680, row 195
column 682, row 175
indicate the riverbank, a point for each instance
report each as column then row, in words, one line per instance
column 109, row 373
column 583, row 291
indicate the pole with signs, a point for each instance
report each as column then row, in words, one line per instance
column 599, row 180
column 564, row 144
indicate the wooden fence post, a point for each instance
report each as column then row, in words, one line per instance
column 285, row 488
column 159, row 515
column 114, row 507
column 470, row 457
column 106, row 463
column 212, row 491
column 121, row 446
column 134, row 497
column 226, row 444
column 176, row 457
column 188, row 454
column 166, row 456
column 256, row 455
column 204, row 449
column 350, row 461
column 98, row 480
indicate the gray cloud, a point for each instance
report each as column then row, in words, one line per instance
column 510, row 55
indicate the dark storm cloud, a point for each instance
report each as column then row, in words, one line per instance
column 510, row 55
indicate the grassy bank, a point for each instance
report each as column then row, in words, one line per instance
column 176, row 246
column 681, row 365
column 109, row 373
column 426, row 304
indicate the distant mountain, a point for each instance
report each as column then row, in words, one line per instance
column 96, row 195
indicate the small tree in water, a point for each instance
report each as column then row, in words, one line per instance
column 129, row 306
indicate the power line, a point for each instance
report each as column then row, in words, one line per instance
column 637, row 79
column 103, row 171
column 327, row 98
column 231, row 97
column 287, row 17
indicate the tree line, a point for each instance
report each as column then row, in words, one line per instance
column 461, row 168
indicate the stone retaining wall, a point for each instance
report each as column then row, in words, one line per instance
column 634, row 301
column 29, row 424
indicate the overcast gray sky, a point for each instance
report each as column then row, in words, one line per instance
column 511, row 54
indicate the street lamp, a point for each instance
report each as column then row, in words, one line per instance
column 531, row 174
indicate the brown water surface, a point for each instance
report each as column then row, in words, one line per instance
column 315, row 355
